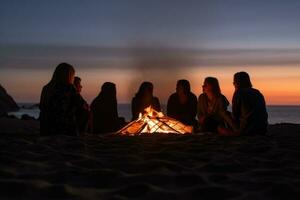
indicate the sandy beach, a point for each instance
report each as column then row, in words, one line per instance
column 148, row 167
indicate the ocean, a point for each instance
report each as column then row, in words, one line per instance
column 277, row 114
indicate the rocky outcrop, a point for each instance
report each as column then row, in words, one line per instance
column 7, row 103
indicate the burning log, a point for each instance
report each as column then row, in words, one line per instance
column 152, row 121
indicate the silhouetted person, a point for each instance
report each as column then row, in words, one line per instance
column 248, row 108
column 212, row 106
column 59, row 102
column 182, row 105
column 144, row 98
column 83, row 111
column 104, row 109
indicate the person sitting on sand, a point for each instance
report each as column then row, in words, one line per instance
column 212, row 105
column 248, row 108
column 143, row 99
column 104, row 109
column 59, row 102
column 83, row 113
column 182, row 105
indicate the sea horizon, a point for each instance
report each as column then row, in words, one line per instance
column 277, row 113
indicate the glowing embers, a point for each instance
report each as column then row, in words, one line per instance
column 152, row 121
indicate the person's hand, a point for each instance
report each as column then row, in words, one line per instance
column 201, row 120
column 225, row 131
column 86, row 107
column 222, row 131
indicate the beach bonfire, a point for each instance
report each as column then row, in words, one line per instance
column 152, row 121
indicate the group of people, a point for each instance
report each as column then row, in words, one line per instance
column 64, row 110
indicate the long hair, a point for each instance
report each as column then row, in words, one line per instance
column 62, row 74
column 185, row 84
column 215, row 85
column 145, row 88
column 242, row 80
column 108, row 92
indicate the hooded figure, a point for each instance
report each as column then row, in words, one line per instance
column 104, row 109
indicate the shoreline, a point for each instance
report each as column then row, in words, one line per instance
column 12, row 124
column 277, row 114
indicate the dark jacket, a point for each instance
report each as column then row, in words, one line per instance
column 58, row 106
column 82, row 114
column 249, row 111
column 186, row 113
column 104, row 115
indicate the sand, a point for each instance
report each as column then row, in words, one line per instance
column 149, row 167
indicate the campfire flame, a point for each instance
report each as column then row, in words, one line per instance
column 152, row 121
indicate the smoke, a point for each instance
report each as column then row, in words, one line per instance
column 160, row 65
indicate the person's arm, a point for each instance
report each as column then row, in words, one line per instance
column 92, row 115
column 134, row 109
column 236, row 106
column 42, row 99
column 227, row 132
column 85, row 106
column 200, row 110
column 194, row 106
column 157, row 104
column 115, row 110
column 170, row 106
column 222, row 105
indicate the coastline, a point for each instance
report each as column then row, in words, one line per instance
column 277, row 113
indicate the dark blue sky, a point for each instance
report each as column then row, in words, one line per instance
column 185, row 23
column 129, row 41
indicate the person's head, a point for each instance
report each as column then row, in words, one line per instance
column 183, row 87
column 146, row 89
column 64, row 73
column 77, row 84
column 242, row 80
column 211, row 86
column 108, row 90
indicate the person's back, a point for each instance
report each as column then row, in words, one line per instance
column 58, row 110
column 105, row 116
column 45, row 123
column 62, row 109
column 58, row 103
column 104, row 110
column 249, row 110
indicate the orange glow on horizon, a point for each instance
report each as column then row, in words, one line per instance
column 280, row 85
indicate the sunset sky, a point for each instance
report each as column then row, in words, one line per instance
column 128, row 41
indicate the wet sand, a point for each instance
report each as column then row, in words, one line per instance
column 149, row 167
